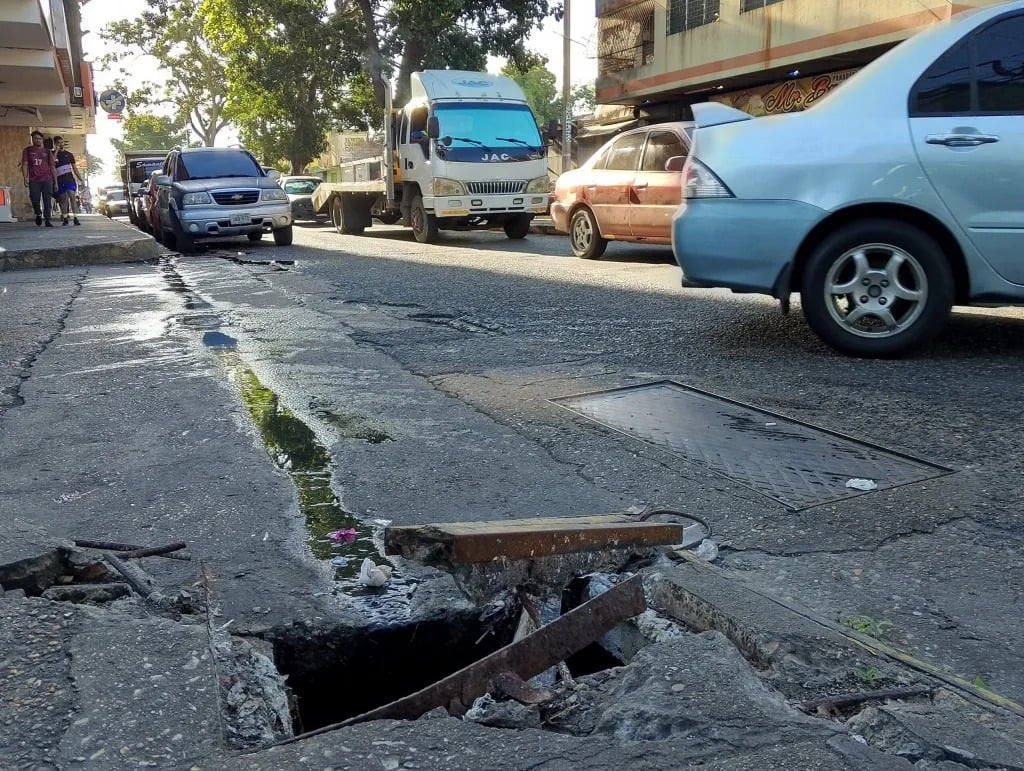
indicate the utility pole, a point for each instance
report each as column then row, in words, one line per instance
column 566, row 105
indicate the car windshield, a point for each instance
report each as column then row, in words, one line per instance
column 211, row 165
column 489, row 132
column 300, row 186
column 115, row 195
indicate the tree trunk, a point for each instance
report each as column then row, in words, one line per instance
column 373, row 59
column 412, row 60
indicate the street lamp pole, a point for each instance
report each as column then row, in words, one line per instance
column 566, row 105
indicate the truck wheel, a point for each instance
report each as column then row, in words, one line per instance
column 877, row 288
column 283, row 236
column 584, row 237
column 518, row 226
column 424, row 225
column 184, row 241
column 338, row 218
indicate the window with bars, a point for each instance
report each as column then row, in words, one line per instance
column 753, row 5
column 687, row 14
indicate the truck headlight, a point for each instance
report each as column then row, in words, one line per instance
column 444, row 186
column 192, row 199
column 539, row 185
column 273, row 194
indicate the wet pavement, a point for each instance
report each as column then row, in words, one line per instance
column 251, row 401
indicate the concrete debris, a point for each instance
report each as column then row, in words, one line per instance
column 87, row 593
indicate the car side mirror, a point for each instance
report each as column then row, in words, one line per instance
column 163, row 179
column 553, row 131
column 675, row 163
column 274, row 174
column 433, row 127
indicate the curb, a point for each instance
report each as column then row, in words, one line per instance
column 108, row 252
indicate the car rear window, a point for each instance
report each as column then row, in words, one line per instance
column 661, row 145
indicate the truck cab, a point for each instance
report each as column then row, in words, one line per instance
column 470, row 154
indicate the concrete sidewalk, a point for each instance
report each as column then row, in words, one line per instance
column 97, row 240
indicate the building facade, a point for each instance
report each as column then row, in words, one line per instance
column 44, row 84
column 762, row 56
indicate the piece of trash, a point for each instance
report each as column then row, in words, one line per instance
column 339, row 562
column 771, row 424
column 348, row 535
column 266, row 534
column 373, row 575
column 480, row 706
column 707, row 550
column 861, row 484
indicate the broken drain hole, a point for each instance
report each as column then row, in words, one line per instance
column 338, row 673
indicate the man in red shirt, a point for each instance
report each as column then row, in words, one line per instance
column 40, row 175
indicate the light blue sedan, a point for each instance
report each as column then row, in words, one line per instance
column 895, row 197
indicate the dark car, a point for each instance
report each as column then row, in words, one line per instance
column 217, row 192
column 300, row 193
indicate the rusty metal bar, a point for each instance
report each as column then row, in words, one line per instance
column 527, row 658
column 460, row 543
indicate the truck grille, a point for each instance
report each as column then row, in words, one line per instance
column 236, row 197
column 509, row 187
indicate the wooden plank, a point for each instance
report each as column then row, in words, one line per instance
column 527, row 658
column 461, row 543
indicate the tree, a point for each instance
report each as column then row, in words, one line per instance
column 287, row 66
column 145, row 131
column 422, row 34
column 583, row 98
column 538, row 83
column 172, row 32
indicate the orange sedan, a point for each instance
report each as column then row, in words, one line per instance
column 627, row 191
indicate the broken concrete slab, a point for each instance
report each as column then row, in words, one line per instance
column 465, row 543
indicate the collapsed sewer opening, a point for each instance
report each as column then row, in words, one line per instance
column 335, row 674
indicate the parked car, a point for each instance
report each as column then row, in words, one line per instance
column 300, row 193
column 627, row 191
column 114, row 203
column 151, row 216
column 217, row 192
column 894, row 197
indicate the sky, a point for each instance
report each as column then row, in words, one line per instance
column 98, row 13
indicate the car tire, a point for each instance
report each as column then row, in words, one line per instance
column 283, row 236
column 255, row 235
column 424, row 224
column 584, row 236
column 338, row 219
column 170, row 240
column 518, row 226
column 877, row 288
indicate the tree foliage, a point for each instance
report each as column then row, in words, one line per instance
column 287, row 64
column 172, row 32
column 145, row 131
column 417, row 35
column 583, row 98
column 538, row 84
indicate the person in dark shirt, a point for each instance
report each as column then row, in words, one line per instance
column 40, row 177
column 68, row 180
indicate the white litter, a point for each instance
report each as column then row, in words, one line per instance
column 374, row 575
column 707, row 551
column 862, row 484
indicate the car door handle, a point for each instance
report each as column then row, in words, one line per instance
column 640, row 185
column 961, row 140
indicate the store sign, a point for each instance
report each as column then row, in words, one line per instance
column 790, row 96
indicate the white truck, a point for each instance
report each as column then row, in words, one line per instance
column 465, row 153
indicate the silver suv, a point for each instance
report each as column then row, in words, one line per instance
column 216, row 192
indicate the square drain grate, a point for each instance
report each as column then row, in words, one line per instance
column 794, row 463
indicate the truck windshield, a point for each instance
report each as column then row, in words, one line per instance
column 227, row 163
column 499, row 132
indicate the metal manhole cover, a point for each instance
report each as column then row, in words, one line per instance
column 794, row 463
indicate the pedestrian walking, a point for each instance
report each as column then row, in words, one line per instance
column 40, row 177
column 68, row 180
